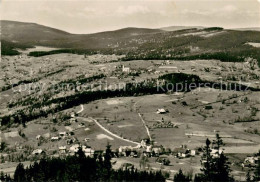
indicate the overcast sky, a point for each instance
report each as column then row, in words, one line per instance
column 85, row 16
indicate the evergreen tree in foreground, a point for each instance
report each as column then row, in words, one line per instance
column 19, row 174
column 180, row 177
column 81, row 168
column 215, row 167
column 257, row 170
column 206, row 161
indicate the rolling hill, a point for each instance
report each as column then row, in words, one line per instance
column 31, row 34
column 136, row 43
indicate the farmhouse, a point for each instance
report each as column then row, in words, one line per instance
column 37, row 152
column 72, row 115
column 38, row 137
column 161, row 111
column 125, row 69
column 62, row 134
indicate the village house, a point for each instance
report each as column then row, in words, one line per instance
column 157, row 150
column 71, row 140
column 74, row 148
column 62, row 149
column 181, row 152
column 192, row 152
column 89, row 152
column 55, row 139
column 149, row 148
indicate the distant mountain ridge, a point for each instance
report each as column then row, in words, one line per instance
column 35, row 34
column 176, row 42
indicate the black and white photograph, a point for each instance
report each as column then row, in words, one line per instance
column 130, row 91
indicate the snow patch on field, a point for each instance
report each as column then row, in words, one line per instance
column 204, row 102
column 103, row 136
column 123, row 126
column 114, row 102
column 168, row 67
column 254, row 44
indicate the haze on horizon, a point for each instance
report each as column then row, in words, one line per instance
column 89, row 16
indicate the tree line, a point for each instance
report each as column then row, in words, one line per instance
column 81, row 168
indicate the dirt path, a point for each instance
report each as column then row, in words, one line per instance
column 82, row 109
column 147, row 129
column 139, row 114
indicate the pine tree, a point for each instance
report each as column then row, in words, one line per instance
column 2, row 176
column 206, row 161
column 218, row 143
column 257, row 170
column 248, row 177
column 107, row 157
column 214, row 168
column 107, row 163
column 221, row 169
column 19, row 174
column 180, row 177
